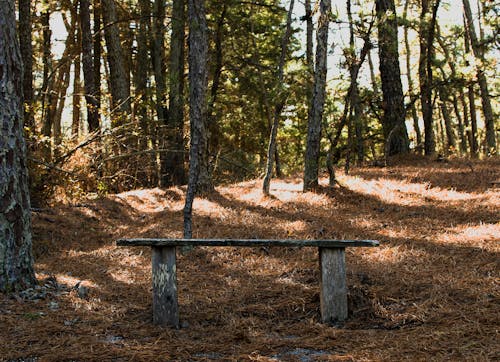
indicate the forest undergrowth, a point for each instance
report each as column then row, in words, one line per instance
column 429, row 292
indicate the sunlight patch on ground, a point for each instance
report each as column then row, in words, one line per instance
column 484, row 235
column 151, row 200
column 409, row 193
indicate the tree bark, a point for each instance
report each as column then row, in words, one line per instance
column 426, row 35
column 25, row 41
column 120, row 88
column 173, row 172
column 489, row 119
column 393, row 121
column 409, row 78
column 16, row 259
column 158, row 59
column 75, row 124
column 89, row 76
column 279, row 103
column 311, row 161
column 449, row 128
column 142, row 71
column 198, row 77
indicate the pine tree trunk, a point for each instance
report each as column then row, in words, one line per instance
column 393, row 121
column 198, row 77
column 159, row 61
column 173, row 172
column 409, row 78
column 311, row 161
column 25, row 41
column 89, row 76
column 97, row 60
column 279, row 103
column 489, row 119
column 16, row 260
column 426, row 35
column 75, row 124
column 120, row 88
column 449, row 127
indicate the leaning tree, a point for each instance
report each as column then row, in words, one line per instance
column 16, row 260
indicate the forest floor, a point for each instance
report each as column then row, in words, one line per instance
column 429, row 292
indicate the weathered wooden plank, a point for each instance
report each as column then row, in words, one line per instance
column 333, row 288
column 245, row 242
column 165, row 305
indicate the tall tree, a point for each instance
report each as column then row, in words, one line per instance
column 16, row 260
column 393, row 121
column 198, row 78
column 89, row 76
column 478, row 51
column 158, row 60
column 315, row 117
column 426, row 36
column 173, row 172
column 120, row 88
column 25, row 41
column 279, row 103
column 409, row 78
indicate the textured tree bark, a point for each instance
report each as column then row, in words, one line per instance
column 333, row 285
column 158, row 59
column 449, row 128
column 16, row 260
column 279, row 103
column 142, row 71
column 356, row 121
column 26, row 44
column 198, row 77
column 97, row 57
column 489, row 119
column 311, row 161
column 426, row 36
column 120, row 88
column 393, row 121
column 173, row 172
column 89, row 76
column 75, row 124
column 409, row 78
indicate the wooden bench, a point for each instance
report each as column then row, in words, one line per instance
column 333, row 289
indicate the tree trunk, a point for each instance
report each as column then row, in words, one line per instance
column 120, row 88
column 173, row 172
column 47, row 83
column 474, row 147
column 409, row 78
column 311, row 161
column 25, row 41
column 97, row 61
column 450, row 144
column 89, row 76
column 489, row 119
column 198, row 77
column 75, row 124
column 426, row 35
column 393, row 121
column 279, row 103
column 159, row 62
column 357, row 121
column 16, row 259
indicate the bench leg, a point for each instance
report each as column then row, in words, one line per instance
column 333, row 289
column 165, row 305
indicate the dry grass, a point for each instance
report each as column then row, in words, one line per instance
column 430, row 292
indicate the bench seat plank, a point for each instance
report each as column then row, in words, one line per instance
column 246, row 242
